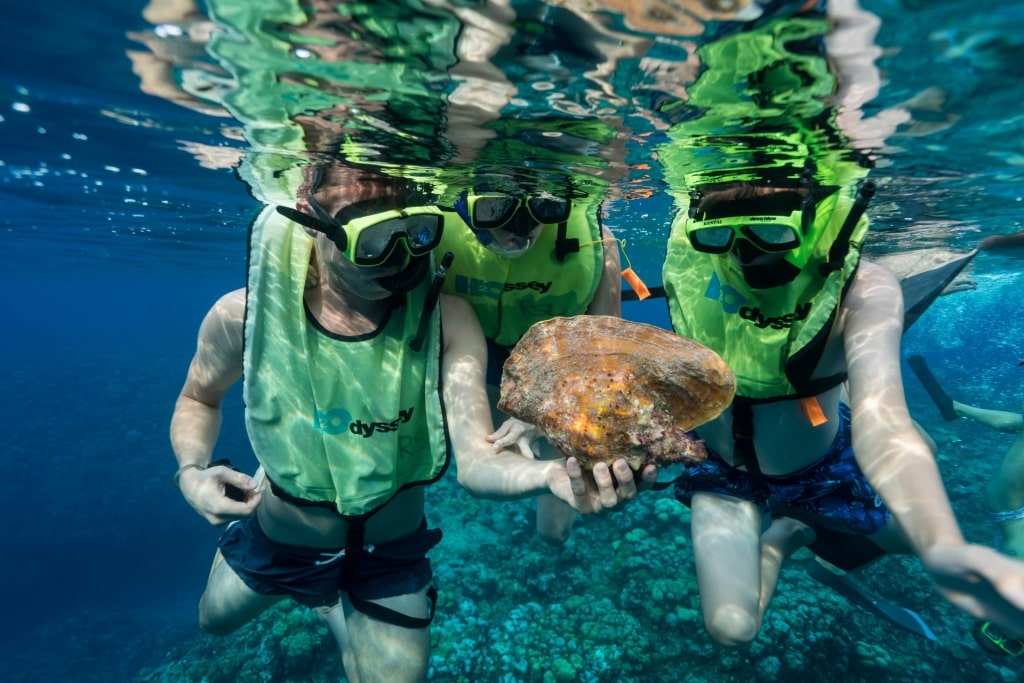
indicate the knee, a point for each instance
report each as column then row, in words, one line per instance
column 732, row 626
column 216, row 627
column 554, row 520
column 555, row 535
column 214, row 624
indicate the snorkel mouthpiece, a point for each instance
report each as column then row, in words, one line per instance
column 763, row 271
column 407, row 279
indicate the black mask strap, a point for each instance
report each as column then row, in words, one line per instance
column 331, row 229
column 563, row 244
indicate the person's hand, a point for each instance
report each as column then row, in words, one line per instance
column 515, row 435
column 602, row 489
column 980, row 581
column 207, row 491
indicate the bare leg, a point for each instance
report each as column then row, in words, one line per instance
column 227, row 603
column 1005, row 492
column 780, row 540
column 555, row 517
column 374, row 651
column 727, row 550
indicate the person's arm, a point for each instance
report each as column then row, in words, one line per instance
column 901, row 468
column 505, row 474
column 888, row 448
column 608, row 297
column 195, row 424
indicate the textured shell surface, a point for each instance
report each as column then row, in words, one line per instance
column 602, row 388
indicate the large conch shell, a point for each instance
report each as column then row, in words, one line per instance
column 602, row 388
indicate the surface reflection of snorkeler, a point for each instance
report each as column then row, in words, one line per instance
column 327, row 320
column 522, row 257
column 747, row 253
column 1004, row 494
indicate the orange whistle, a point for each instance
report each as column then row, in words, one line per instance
column 812, row 409
column 636, row 283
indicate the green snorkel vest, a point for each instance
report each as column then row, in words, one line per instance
column 557, row 277
column 772, row 338
column 342, row 423
column 760, row 113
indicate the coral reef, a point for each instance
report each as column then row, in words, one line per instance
column 617, row 603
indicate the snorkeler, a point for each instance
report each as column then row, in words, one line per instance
column 352, row 411
column 768, row 274
column 523, row 256
column 1004, row 494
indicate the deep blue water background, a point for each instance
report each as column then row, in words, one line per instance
column 113, row 244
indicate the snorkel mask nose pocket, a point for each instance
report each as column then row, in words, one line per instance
column 761, row 270
column 408, row 278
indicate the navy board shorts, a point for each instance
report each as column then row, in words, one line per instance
column 833, row 487
column 315, row 576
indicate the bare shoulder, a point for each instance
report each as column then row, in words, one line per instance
column 871, row 314
column 611, row 252
column 454, row 310
column 874, row 287
column 230, row 306
column 225, row 318
column 459, row 324
column 217, row 363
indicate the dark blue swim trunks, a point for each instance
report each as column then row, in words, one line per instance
column 314, row 576
column 833, row 487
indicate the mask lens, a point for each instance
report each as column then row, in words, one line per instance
column 712, row 240
column 421, row 234
column 492, row 211
column 549, row 210
column 772, row 237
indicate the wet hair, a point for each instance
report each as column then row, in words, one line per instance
column 371, row 190
column 750, row 199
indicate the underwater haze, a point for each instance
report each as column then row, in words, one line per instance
column 125, row 217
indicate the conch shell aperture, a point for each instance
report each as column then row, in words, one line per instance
column 602, row 388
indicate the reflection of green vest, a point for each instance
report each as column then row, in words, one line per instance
column 347, row 421
column 772, row 339
column 510, row 295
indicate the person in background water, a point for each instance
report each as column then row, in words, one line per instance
column 521, row 257
column 355, row 396
column 1004, row 494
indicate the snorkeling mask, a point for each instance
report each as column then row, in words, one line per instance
column 774, row 236
column 777, row 230
column 373, row 239
column 486, row 213
column 993, row 640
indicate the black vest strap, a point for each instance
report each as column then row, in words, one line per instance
column 743, row 452
column 391, row 616
column 354, row 549
column 355, row 540
column 300, row 502
column 563, row 244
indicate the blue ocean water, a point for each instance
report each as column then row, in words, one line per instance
column 116, row 239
